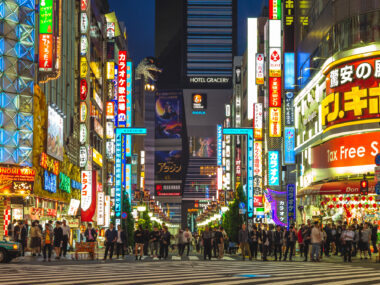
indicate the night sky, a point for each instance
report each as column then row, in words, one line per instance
column 138, row 17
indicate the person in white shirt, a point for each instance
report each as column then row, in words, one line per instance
column 66, row 238
column 347, row 238
column 316, row 241
column 187, row 236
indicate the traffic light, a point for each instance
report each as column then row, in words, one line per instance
column 364, row 187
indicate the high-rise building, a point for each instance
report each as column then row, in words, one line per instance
column 195, row 45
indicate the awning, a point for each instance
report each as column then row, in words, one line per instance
column 336, row 188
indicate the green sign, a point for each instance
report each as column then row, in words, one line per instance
column 46, row 17
column 64, row 183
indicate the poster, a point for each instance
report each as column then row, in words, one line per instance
column 55, row 135
column 168, row 117
column 168, row 165
column 202, row 147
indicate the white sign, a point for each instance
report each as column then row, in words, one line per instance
column 73, row 208
column 82, row 156
column 83, row 45
column 110, row 30
column 100, row 209
column 110, row 149
column 259, row 69
column 275, row 62
column 107, row 211
column 86, row 193
column 82, row 112
column 83, row 23
column 82, row 133
column 98, row 100
column 258, row 122
column 109, row 130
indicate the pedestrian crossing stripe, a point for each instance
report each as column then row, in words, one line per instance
column 193, row 258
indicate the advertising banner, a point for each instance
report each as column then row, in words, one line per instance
column 289, row 109
column 275, row 122
column 100, row 209
column 275, row 62
column 259, row 69
column 202, row 147
column 168, row 189
column 122, row 89
column 273, row 168
column 46, row 52
column 129, row 95
column 168, row 116
column 258, row 121
column 275, row 9
column 55, row 134
column 352, row 93
column 291, row 197
column 275, row 92
column 289, row 145
column 88, row 195
column 168, row 165
column 219, row 144
column 199, row 101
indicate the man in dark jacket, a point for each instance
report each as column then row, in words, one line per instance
column 90, row 233
column 374, row 238
column 291, row 238
column 21, row 236
column 111, row 237
column 121, row 241
column 306, row 236
column 207, row 240
column 164, row 243
column 329, row 238
column 278, row 240
column 243, row 241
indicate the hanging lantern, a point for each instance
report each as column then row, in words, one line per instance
column 327, row 199
column 356, row 198
column 360, row 205
column 334, row 199
column 338, row 206
column 363, row 198
column 340, row 198
column 322, row 203
column 331, row 206
column 370, row 198
column 348, row 198
column 352, row 206
column 374, row 205
column 367, row 206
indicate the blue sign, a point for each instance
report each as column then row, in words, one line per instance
column 289, row 145
column 289, row 71
column 128, row 180
column 124, row 215
column 291, row 197
column 241, row 205
column 219, row 144
column 129, row 95
column 118, row 172
column 131, row 131
column 377, row 188
column 273, row 168
column 76, row 185
column 377, row 159
column 50, row 182
column 236, row 131
column 289, row 109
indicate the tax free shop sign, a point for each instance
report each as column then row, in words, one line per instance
column 353, row 154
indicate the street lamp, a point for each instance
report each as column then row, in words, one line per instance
column 141, row 208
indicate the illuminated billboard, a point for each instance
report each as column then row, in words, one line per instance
column 275, row 122
column 275, row 92
column 129, row 95
column 352, row 93
column 168, row 116
column 251, row 52
column 275, row 9
column 273, row 168
column 46, row 52
column 122, row 89
column 202, row 146
column 55, row 134
column 168, row 165
column 289, row 145
column 258, row 121
column 259, row 69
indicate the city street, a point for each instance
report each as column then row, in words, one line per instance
column 190, row 272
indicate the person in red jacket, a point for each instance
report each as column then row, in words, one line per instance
column 300, row 239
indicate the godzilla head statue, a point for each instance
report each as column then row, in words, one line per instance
column 147, row 67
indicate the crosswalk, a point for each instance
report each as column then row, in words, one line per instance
column 188, row 272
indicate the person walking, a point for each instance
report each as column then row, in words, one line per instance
column 291, row 238
column 110, row 239
column 306, row 237
column 187, row 236
column 164, row 243
column 347, row 238
column 47, row 241
column 66, row 238
column 180, row 242
column 254, row 241
column 58, row 239
column 35, row 238
column 265, row 242
column 139, row 241
column 207, row 240
column 21, row 236
column 278, row 240
column 220, row 242
column 243, row 241
column 90, row 233
column 328, row 241
column 316, row 241
column 154, row 242
column 121, row 241
column 364, row 239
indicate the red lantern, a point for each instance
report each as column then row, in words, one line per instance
column 327, row 199
column 360, row 205
column 331, row 206
column 367, row 206
column 356, row 198
column 344, row 206
column 322, row 203
column 352, row 206
column 363, row 198
column 348, row 198
column 337, row 205
column 340, row 198
column 370, row 198
column 334, row 199
column 374, row 205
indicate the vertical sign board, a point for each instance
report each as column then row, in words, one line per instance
column 219, row 145
column 258, row 121
column 118, row 173
column 100, row 209
column 122, row 89
column 275, row 9
column 289, row 145
column 46, row 23
column 291, row 197
column 288, row 24
column 289, row 71
column 289, row 109
column 274, row 122
column 107, row 211
column 129, row 94
column 273, row 168
column 259, row 69
column 275, row 92
column 128, row 180
column 258, row 163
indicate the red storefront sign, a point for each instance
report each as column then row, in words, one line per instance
column 274, row 91
column 83, row 5
column 46, row 52
column 17, row 174
column 353, row 92
column 336, row 188
column 354, row 150
column 258, row 201
column 122, row 88
column 110, row 109
column 83, row 89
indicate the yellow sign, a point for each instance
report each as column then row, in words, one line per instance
column 95, row 67
column 97, row 157
column 83, row 67
column 275, row 122
column 110, row 70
